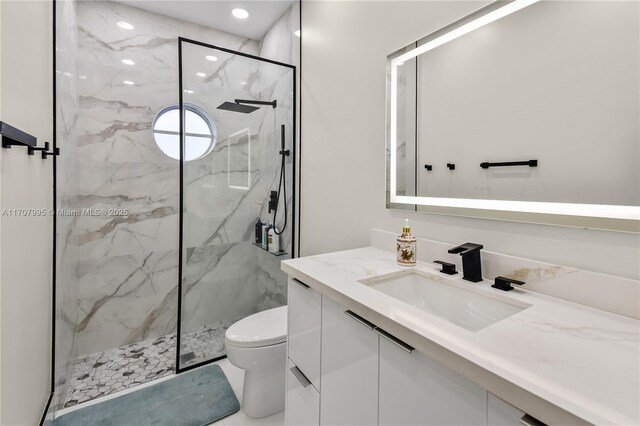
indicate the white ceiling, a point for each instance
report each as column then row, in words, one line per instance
column 217, row 13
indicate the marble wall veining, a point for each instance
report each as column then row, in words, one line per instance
column 119, row 270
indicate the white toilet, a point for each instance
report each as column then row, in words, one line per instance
column 257, row 344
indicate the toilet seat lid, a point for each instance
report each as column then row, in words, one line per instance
column 264, row 328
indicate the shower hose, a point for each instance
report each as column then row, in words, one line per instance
column 281, row 185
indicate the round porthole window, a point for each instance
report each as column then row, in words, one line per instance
column 200, row 132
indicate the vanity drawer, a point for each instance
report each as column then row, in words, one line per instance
column 305, row 308
column 303, row 400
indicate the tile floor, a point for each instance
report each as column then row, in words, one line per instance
column 236, row 380
column 104, row 373
column 203, row 343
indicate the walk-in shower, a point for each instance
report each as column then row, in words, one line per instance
column 184, row 139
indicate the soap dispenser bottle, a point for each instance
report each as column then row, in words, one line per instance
column 406, row 246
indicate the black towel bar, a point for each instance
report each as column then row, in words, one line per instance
column 530, row 163
column 12, row 136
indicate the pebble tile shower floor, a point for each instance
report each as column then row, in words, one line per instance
column 103, row 373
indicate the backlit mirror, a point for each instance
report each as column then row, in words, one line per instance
column 524, row 110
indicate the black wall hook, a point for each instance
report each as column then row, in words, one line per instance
column 429, row 167
column 451, row 166
column 45, row 154
column 32, row 149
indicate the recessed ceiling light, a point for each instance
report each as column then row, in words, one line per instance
column 188, row 91
column 82, row 77
column 240, row 13
column 243, row 83
column 128, row 82
column 297, row 33
column 211, row 58
column 201, row 74
column 125, row 25
column 128, row 62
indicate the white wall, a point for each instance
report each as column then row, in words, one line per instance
column 344, row 50
column 25, row 242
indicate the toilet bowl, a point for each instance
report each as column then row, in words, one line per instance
column 257, row 344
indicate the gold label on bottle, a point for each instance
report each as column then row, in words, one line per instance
column 406, row 250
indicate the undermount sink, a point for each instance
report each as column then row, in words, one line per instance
column 466, row 308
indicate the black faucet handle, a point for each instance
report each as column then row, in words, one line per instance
column 504, row 283
column 465, row 248
column 447, row 268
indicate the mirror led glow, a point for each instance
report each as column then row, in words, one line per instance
column 571, row 209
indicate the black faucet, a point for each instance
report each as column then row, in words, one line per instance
column 471, row 265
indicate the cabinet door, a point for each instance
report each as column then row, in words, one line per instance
column 304, row 329
column 302, row 406
column 349, row 368
column 501, row 413
column 415, row 390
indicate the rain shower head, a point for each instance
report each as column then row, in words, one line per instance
column 240, row 105
column 233, row 107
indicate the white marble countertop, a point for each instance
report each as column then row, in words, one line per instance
column 579, row 359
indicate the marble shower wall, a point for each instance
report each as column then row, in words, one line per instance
column 119, row 271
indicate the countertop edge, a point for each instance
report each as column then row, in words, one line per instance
column 510, row 392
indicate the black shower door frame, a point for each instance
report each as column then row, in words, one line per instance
column 294, row 253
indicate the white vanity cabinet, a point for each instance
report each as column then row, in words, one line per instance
column 302, row 402
column 345, row 370
column 349, row 368
column 415, row 390
column 305, row 306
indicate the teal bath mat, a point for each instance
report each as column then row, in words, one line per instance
column 195, row 398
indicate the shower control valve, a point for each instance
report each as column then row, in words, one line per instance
column 273, row 201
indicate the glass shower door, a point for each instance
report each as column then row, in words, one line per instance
column 237, row 113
